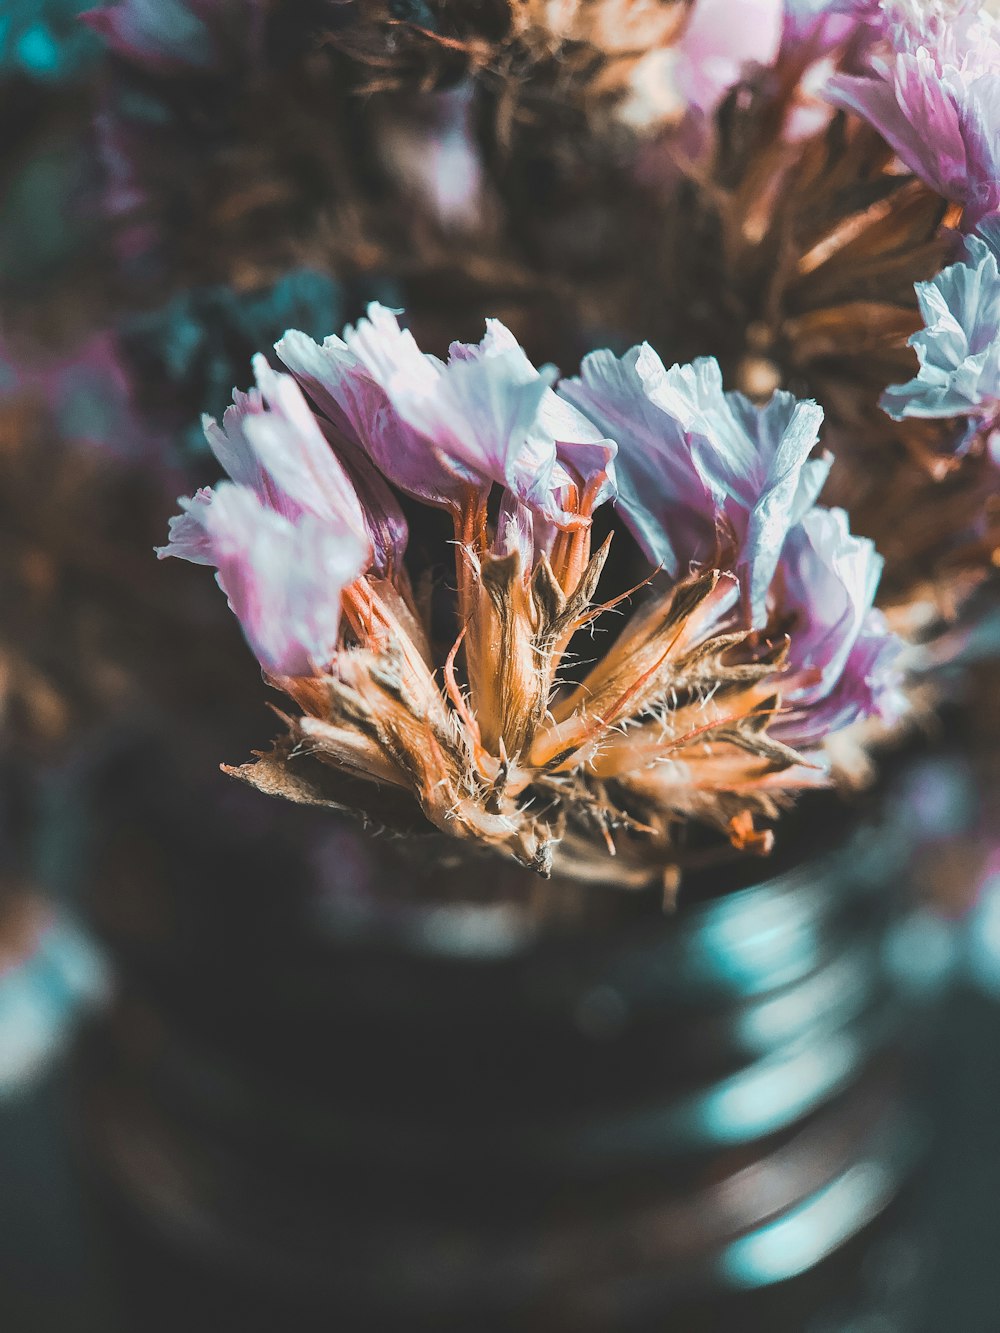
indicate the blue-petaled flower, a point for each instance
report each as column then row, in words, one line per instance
column 935, row 97
column 705, row 477
column 959, row 346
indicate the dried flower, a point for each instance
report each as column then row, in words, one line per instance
column 958, row 348
column 935, row 97
column 678, row 719
column 444, row 432
column 840, row 645
column 706, row 478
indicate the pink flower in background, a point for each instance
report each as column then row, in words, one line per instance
column 819, row 26
column 720, row 42
column 935, row 97
column 86, row 390
column 428, row 143
column 817, row 35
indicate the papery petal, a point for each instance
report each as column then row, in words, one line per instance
column 349, row 385
column 584, row 455
column 271, row 442
column 384, row 520
column 936, row 99
column 234, row 452
column 283, row 577
column 289, row 443
column 654, row 468
column 778, row 487
column 187, row 534
column 703, row 475
column 959, row 347
column 824, row 590
column 483, row 415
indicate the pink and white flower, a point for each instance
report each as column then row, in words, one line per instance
column 445, row 431
column 935, row 97
column 840, row 645
column 705, row 477
column 287, row 534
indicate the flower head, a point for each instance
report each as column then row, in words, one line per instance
column 842, row 656
column 936, row 97
column 445, row 432
column 282, row 576
column 287, row 533
column 484, row 739
column 959, row 346
column 706, row 477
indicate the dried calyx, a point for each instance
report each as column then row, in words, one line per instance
column 751, row 641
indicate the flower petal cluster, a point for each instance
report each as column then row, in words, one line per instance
column 281, row 577
column 446, row 431
column 706, row 477
column 935, row 97
column 286, row 534
column 714, row 700
column 959, row 346
column 840, row 647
